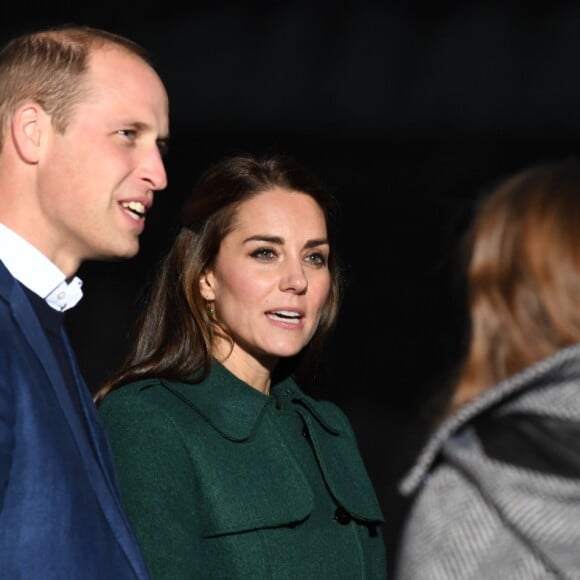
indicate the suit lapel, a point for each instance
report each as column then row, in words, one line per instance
column 33, row 332
column 93, row 447
column 97, row 435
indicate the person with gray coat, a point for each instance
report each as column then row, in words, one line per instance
column 496, row 489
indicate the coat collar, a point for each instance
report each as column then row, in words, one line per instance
column 551, row 369
column 237, row 411
column 234, row 408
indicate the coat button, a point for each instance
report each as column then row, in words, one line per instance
column 342, row 516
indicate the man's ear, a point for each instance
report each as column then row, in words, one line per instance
column 206, row 286
column 28, row 126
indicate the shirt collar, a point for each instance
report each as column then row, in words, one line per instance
column 35, row 271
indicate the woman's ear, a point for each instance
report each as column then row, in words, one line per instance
column 206, row 285
column 28, row 125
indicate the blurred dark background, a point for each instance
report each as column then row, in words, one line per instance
column 407, row 110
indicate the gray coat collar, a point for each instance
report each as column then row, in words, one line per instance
column 526, row 379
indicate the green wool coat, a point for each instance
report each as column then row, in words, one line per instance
column 223, row 482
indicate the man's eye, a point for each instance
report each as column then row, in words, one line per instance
column 130, row 133
column 163, row 147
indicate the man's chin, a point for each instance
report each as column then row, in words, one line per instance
column 119, row 254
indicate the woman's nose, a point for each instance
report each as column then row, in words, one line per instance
column 294, row 280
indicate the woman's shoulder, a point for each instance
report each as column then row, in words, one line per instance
column 136, row 394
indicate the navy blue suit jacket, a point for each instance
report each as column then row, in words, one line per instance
column 60, row 512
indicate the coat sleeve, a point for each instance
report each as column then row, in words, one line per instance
column 156, row 478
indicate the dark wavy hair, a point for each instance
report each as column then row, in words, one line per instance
column 174, row 334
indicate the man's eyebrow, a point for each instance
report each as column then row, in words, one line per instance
column 140, row 126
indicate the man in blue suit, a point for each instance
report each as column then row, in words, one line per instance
column 83, row 123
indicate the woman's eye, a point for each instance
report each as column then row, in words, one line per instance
column 263, row 253
column 317, row 259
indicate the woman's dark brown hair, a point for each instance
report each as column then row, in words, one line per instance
column 523, row 275
column 174, row 334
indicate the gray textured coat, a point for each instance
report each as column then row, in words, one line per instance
column 474, row 517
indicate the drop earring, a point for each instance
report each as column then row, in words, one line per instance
column 209, row 309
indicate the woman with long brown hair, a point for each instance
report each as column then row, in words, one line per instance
column 498, row 484
column 227, row 468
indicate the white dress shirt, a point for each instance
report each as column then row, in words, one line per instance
column 35, row 271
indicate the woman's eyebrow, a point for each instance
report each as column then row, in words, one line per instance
column 278, row 240
column 264, row 238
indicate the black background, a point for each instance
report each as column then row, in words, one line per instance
column 407, row 110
